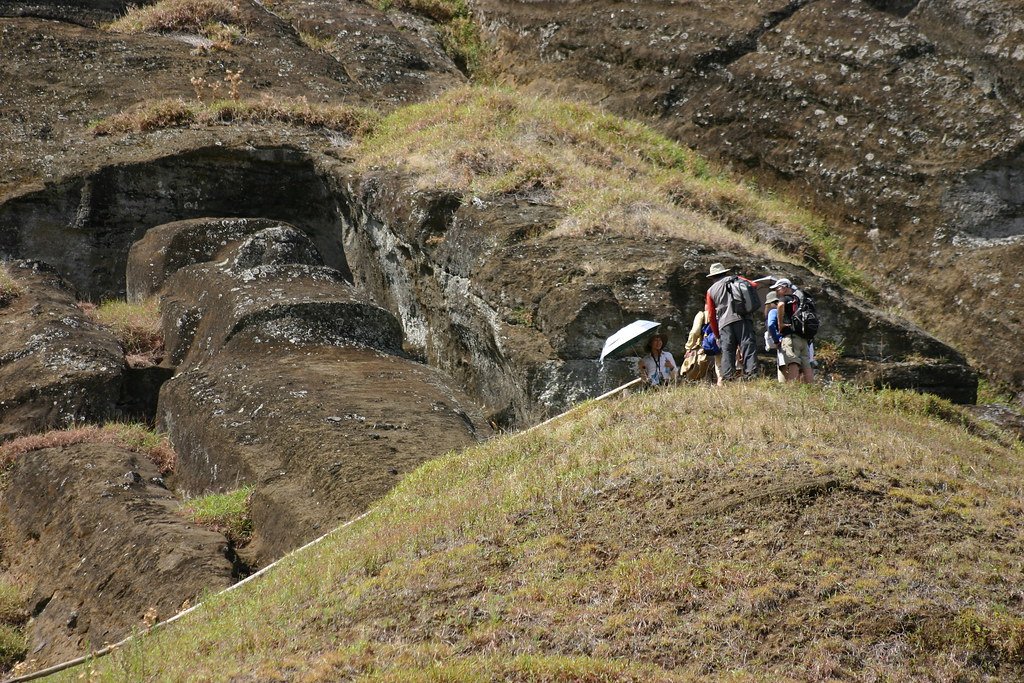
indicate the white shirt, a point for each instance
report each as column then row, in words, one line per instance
column 660, row 370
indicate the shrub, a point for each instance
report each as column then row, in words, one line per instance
column 224, row 512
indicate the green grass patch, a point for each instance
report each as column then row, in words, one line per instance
column 12, row 604
column 13, row 646
column 667, row 536
column 224, row 512
column 135, row 437
column 169, row 113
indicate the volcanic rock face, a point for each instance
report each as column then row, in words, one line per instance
column 57, row 367
column 100, row 542
column 901, row 120
column 534, row 313
column 292, row 381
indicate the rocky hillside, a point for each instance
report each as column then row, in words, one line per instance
column 900, row 120
column 347, row 260
column 628, row 542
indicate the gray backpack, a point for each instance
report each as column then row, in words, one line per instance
column 744, row 298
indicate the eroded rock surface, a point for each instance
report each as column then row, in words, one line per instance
column 292, row 380
column 320, row 430
column 57, row 367
column 98, row 542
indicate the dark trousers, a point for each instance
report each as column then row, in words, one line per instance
column 739, row 334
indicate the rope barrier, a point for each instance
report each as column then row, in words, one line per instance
column 57, row 668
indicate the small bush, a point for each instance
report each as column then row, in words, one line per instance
column 132, row 436
column 136, row 326
column 9, row 288
column 193, row 16
column 224, row 512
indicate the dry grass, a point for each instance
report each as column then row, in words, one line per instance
column 610, row 174
column 136, row 327
column 210, row 18
column 9, row 287
column 294, row 111
column 691, row 534
column 132, row 436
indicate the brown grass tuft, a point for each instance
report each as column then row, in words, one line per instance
column 136, row 326
column 165, row 16
column 353, row 121
column 132, row 436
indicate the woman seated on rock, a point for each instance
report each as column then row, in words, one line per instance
column 658, row 367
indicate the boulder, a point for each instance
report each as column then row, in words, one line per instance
column 57, row 367
column 321, row 431
column 167, row 248
column 204, row 305
column 100, row 544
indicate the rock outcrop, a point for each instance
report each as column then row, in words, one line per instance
column 98, row 542
column 292, row 380
column 533, row 313
column 57, row 367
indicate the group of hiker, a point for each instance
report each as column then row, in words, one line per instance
column 722, row 344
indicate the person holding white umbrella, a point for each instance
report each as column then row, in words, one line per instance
column 657, row 366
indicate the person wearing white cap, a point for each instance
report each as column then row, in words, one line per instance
column 733, row 325
column 772, row 337
column 794, row 350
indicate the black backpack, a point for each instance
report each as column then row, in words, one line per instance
column 805, row 318
column 744, row 299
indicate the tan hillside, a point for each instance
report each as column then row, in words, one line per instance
column 752, row 533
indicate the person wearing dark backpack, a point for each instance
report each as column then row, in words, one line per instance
column 730, row 303
column 798, row 324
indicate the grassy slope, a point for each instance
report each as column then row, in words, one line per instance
column 672, row 536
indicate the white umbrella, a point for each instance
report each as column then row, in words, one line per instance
column 633, row 334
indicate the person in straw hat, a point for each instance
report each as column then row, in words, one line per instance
column 733, row 326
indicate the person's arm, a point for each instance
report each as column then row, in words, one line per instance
column 709, row 306
column 783, row 327
column 670, row 362
column 696, row 332
column 773, row 325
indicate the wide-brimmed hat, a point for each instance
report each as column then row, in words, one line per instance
column 772, row 298
column 717, row 269
column 784, row 282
